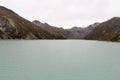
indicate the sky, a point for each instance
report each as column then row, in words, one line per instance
column 65, row 13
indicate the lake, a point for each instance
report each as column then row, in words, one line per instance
column 59, row 60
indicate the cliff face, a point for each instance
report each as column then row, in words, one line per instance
column 106, row 31
column 14, row 26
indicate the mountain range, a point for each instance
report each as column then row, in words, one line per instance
column 13, row 26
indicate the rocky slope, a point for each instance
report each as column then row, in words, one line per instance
column 59, row 32
column 13, row 26
column 106, row 31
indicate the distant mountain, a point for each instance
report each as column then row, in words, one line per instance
column 106, row 31
column 13, row 26
column 79, row 32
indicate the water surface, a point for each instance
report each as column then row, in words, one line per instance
column 59, row 60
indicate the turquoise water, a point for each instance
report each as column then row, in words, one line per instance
column 59, row 60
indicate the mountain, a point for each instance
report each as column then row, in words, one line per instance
column 79, row 32
column 106, row 31
column 13, row 26
column 59, row 32
column 72, row 33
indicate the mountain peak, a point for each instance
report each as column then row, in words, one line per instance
column 38, row 23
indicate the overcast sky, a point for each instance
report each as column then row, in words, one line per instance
column 65, row 13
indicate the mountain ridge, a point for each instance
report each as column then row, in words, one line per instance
column 13, row 26
column 19, row 28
